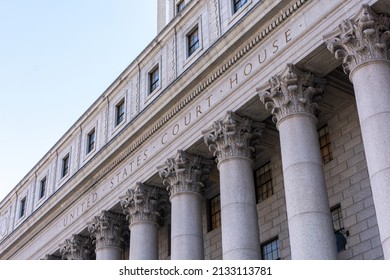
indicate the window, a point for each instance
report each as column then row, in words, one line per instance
column 180, row 6
column 22, row 209
column 325, row 145
column 237, row 4
column 154, row 79
column 270, row 250
column 120, row 112
column 215, row 212
column 338, row 227
column 263, row 182
column 91, row 138
column 42, row 190
column 193, row 41
column 65, row 166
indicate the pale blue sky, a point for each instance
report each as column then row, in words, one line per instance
column 56, row 58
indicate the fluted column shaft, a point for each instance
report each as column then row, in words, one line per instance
column 185, row 176
column 363, row 44
column 229, row 139
column 143, row 207
column 291, row 98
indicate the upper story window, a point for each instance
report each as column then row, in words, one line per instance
column 270, row 250
column 22, row 207
column 214, row 212
column 91, row 140
column 42, row 189
column 263, row 182
column 237, row 4
column 154, row 79
column 325, row 144
column 65, row 166
column 193, row 41
column 120, row 112
column 180, row 6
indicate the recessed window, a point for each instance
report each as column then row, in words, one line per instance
column 154, row 79
column 22, row 208
column 338, row 227
column 42, row 188
column 193, row 41
column 65, row 166
column 325, row 145
column 237, row 4
column 214, row 212
column 270, row 250
column 180, row 6
column 91, row 139
column 120, row 112
column 263, row 182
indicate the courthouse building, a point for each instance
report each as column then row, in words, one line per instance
column 247, row 129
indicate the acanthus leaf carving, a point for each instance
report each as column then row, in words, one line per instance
column 77, row 248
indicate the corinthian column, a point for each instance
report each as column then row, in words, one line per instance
column 143, row 207
column 77, row 248
column 229, row 140
column 107, row 232
column 292, row 99
column 363, row 44
column 185, row 176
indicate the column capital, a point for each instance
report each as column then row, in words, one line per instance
column 77, row 248
column 231, row 136
column 144, row 204
column 292, row 92
column 107, row 229
column 185, row 173
column 362, row 38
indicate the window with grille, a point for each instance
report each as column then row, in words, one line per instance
column 338, row 227
column 325, row 145
column 215, row 212
column 270, row 250
column 237, row 4
column 263, row 182
column 193, row 41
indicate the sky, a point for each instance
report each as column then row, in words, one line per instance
column 56, row 59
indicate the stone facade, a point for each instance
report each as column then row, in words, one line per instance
column 253, row 131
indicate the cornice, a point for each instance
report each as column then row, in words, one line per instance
column 205, row 84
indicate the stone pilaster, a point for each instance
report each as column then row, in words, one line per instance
column 291, row 98
column 185, row 176
column 77, row 248
column 360, row 39
column 230, row 141
column 363, row 44
column 107, row 230
column 143, row 207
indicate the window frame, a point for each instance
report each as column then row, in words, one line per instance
column 180, row 6
column 262, row 195
column 91, row 141
column 42, row 188
column 23, row 207
column 154, row 84
column 212, row 225
column 238, row 5
column 120, row 112
column 65, row 165
column 270, row 242
column 325, row 144
column 193, row 47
